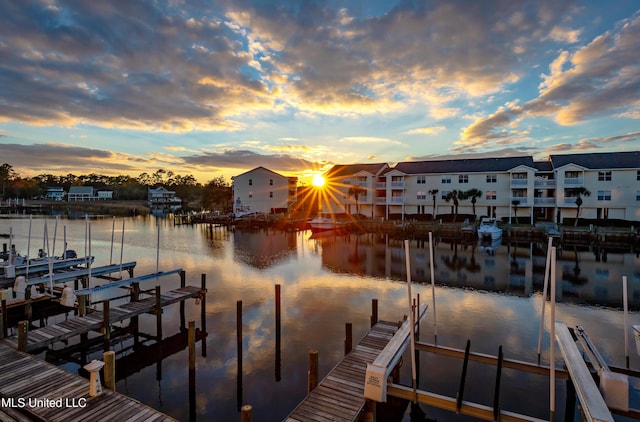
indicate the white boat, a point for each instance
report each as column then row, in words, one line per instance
column 489, row 229
column 325, row 221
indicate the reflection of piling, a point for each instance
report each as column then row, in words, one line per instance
column 239, row 348
column 135, row 296
column 312, row 381
column 106, row 327
column 183, row 283
column 278, row 336
column 192, row 370
column 158, row 312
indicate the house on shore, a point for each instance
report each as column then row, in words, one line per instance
column 606, row 184
column 81, row 193
column 263, row 191
column 55, row 194
column 162, row 199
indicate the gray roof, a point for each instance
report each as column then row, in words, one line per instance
column 476, row 165
column 346, row 170
column 600, row 160
column 87, row 190
column 543, row 166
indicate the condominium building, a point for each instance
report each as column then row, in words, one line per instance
column 606, row 185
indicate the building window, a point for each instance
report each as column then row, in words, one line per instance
column 270, row 194
column 492, row 178
column 571, row 174
column 270, row 182
column 250, row 194
column 421, row 195
column 250, row 182
column 446, row 179
column 422, row 180
column 463, row 178
column 638, row 175
column 444, row 194
column 604, row 195
column 491, row 195
column 638, row 195
column 604, row 176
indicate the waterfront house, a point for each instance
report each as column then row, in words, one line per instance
column 104, row 194
column 55, row 194
column 81, row 193
column 509, row 187
column 263, row 191
column 160, row 196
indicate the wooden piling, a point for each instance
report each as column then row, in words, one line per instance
column 313, row 371
column 374, row 312
column 5, row 318
column 106, row 326
column 23, row 332
column 278, row 335
column 246, row 413
column 203, row 302
column 158, row 310
column 109, row 369
column 348, row 339
column 239, row 388
column 192, row 370
column 82, row 305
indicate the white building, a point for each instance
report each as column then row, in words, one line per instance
column 55, row 194
column 264, row 191
column 80, row 193
column 161, row 196
column 545, row 190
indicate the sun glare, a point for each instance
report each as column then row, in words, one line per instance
column 318, row 181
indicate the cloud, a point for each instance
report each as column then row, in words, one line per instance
column 601, row 78
column 244, row 159
column 433, row 130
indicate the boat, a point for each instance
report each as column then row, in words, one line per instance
column 489, row 229
column 325, row 221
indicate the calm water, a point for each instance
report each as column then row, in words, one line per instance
column 490, row 296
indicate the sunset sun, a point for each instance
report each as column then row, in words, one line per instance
column 318, row 181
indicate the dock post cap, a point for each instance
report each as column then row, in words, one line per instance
column 95, row 386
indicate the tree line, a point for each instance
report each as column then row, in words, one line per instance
column 214, row 195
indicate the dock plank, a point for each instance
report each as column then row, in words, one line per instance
column 32, row 377
column 340, row 395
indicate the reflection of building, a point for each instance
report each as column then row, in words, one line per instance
column 535, row 190
column 264, row 191
column 260, row 251
column 583, row 274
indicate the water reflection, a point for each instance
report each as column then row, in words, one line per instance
column 583, row 275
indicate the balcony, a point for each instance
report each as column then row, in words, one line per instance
column 519, row 182
column 397, row 185
column 545, row 183
column 570, row 200
column 576, row 181
column 381, row 200
column 397, row 199
column 522, row 199
column 361, row 184
column 544, row 201
column 381, row 185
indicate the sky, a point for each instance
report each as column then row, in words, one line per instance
column 217, row 87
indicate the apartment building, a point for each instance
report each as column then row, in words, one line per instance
column 607, row 185
column 264, row 191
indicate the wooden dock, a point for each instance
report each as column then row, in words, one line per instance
column 24, row 377
column 73, row 326
column 340, row 395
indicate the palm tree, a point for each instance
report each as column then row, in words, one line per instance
column 356, row 192
column 515, row 204
column 473, row 194
column 433, row 193
column 455, row 196
column 580, row 192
